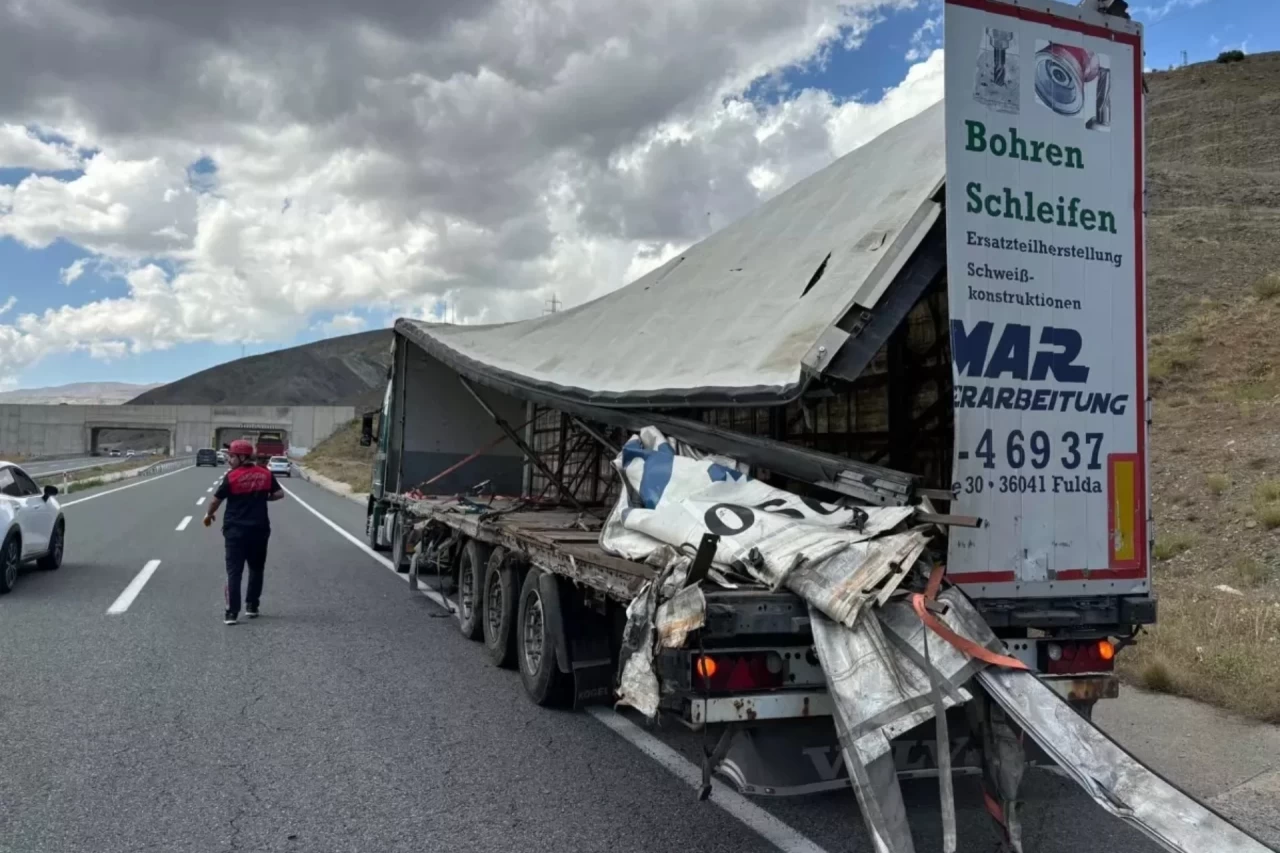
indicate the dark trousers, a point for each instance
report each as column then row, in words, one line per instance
column 242, row 548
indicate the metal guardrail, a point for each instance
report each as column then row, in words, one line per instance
column 64, row 478
column 166, row 465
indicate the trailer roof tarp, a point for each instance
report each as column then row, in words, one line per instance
column 744, row 315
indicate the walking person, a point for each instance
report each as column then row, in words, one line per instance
column 246, row 489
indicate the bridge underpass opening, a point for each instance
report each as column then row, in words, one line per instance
column 141, row 440
column 223, row 436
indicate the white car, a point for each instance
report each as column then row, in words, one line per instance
column 31, row 525
column 279, row 465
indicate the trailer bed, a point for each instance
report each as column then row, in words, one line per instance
column 565, row 542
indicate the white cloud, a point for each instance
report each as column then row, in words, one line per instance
column 343, row 324
column 926, row 39
column 8, row 305
column 1159, row 11
column 22, row 148
column 70, row 273
column 401, row 155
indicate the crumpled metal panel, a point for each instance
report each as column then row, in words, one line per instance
column 876, row 670
column 1114, row 778
column 684, row 612
column 841, row 585
column 882, row 673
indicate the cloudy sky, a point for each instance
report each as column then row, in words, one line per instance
column 183, row 181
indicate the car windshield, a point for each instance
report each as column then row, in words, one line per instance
column 277, row 460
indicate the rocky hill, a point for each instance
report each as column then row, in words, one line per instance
column 1213, row 175
column 77, row 394
column 1213, row 248
column 348, row 370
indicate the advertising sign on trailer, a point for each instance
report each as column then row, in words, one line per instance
column 1045, row 256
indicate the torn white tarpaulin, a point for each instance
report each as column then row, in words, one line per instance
column 638, row 682
column 829, row 554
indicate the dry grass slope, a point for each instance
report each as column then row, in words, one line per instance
column 1213, row 174
column 340, row 457
column 1214, row 303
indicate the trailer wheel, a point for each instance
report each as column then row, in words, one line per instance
column 373, row 523
column 398, row 557
column 501, row 594
column 471, row 568
column 536, row 648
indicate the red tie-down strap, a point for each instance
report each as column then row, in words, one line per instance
column 919, row 603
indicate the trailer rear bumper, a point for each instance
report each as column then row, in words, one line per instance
column 754, row 707
column 803, row 704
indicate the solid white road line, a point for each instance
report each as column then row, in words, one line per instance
column 131, row 591
column 141, row 482
column 429, row 593
column 755, row 818
column 200, row 502
column 782, row 836
column 182, row 525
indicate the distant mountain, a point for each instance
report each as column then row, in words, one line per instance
column 78, row 394
column 347, row 371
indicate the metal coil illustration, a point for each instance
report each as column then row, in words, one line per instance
column 1061, row 74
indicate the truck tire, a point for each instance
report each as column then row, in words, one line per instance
column 536, row 648
column 399, row 558
column 372, row 524
column 501, row 594
column 471, row 568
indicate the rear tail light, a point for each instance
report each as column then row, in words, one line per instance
column 738, row 671
column 1075, row 656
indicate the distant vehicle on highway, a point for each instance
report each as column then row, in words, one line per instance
column 130, row 454
column 31, row 523
column 280, row 466
column 207, row 456
column 270, row 444
column 222, row 457
column 114, row 453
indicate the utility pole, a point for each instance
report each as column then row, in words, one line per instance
column 551, row 306
column 1184, row 59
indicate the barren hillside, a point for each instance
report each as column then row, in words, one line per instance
column 1213, row 173
column 349, row 370
column 1214, row 286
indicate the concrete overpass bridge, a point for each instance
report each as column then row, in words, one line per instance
column 27, row 430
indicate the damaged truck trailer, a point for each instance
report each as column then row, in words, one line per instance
column 806, row 490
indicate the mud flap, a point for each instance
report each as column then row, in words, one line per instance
column 784, row 759
column 1004, row 762
column 1115, row 779
column 553, row 610
column 593, row 669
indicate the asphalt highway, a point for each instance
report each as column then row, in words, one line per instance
column 352, row 716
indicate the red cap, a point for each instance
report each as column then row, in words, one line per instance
column 240, row 447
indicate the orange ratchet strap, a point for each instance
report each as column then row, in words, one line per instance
column 969, row 647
